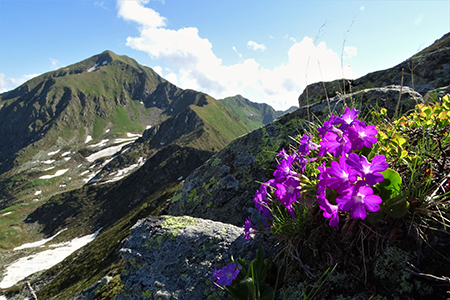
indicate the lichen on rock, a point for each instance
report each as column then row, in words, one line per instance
column 173, row 257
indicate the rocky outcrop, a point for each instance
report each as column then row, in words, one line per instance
column 173, row 257
column 425, row 71
column 222, row 189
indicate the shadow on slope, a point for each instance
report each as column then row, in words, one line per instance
column 91, row 207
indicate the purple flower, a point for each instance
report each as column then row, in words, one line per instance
column 362, row 135
column 322, row 177
column 340, row 175
column 283, row 154
column 335, row 144
column 284, row 169
column 288, row 192
column 328, row 127
column 347, row 118
column 248, row 226
column 226, row 275
column 262, row 202
column 301, row 161
column 306, row 145
column 357, row 199
column 369, row 172
column 330, row 211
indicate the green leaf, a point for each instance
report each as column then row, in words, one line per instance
column 446, row 101
column 397, row 207
column 391, row 184
column 376, row 217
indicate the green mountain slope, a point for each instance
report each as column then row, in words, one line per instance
column 251, row 113
column 88, row 106
column 64, row 120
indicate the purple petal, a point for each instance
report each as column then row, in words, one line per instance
column 358, row 211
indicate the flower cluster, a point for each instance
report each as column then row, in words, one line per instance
column 348, row 174
column 227, row 274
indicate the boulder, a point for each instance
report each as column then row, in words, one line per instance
column 174, row 257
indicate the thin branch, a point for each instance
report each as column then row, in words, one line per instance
column 415, row 271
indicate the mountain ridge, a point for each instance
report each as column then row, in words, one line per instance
column 106, row 97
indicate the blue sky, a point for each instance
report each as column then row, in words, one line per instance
column 265, row 50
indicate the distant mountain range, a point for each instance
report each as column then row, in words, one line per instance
column 253, row 114
column 62, row 120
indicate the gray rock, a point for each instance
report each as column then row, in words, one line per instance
column 172, row 257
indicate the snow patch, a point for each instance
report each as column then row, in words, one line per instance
column 101, row 144
column 7, row 213
column 92, row 68
column 88, row 139
column 92, row 179
column 66, row 153
column 105, row 152
column 49, row 169
column 125, row 171
column 37, row 193
column 105, row 62
column 124, row 140
column 179, row 178
column 38, row 243
column 107, row 130
column 148, row 127
column 84, row 173
column 53, row 152
column 133, row 135
column 26, row 266
column 66, row 158
column 58, row 173
column 50, row 161
column 125, row 150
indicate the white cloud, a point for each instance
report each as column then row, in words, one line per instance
column 350, row 51
column 235, row 50
column 137, row 12
column 100, row 4
column 55, row 63
column 194, row 65
column 255, row 46
column 158, row 70
column 7, row 84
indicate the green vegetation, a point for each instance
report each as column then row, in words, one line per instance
column 13, row 231
column 222, row 125
column 383, row 255
column 122, row 122
column 254, row 115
